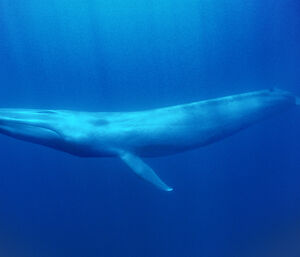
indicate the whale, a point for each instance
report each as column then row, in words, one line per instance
column 132, row 136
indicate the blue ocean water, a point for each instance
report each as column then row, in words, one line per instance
column 238, row 197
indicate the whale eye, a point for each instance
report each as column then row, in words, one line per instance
column 99, row 122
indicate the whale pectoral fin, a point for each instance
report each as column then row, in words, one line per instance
column 143, row 170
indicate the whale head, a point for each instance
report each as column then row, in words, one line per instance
column 30, row 125
column 68, row 131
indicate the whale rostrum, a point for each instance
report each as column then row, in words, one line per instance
column 150, row 133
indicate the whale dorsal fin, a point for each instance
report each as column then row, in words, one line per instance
column 143, row 170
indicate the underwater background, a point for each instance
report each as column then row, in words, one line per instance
column 239, row 197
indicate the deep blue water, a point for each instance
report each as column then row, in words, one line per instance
column 239, row 197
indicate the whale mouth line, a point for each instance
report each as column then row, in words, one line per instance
column 28, row 129
column 44, row 128
column 46, row 112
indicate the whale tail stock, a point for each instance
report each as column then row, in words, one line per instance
column 143, row 170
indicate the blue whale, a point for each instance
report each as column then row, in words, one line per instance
column 149, row 133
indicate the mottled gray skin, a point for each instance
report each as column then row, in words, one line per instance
column 147, row 133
